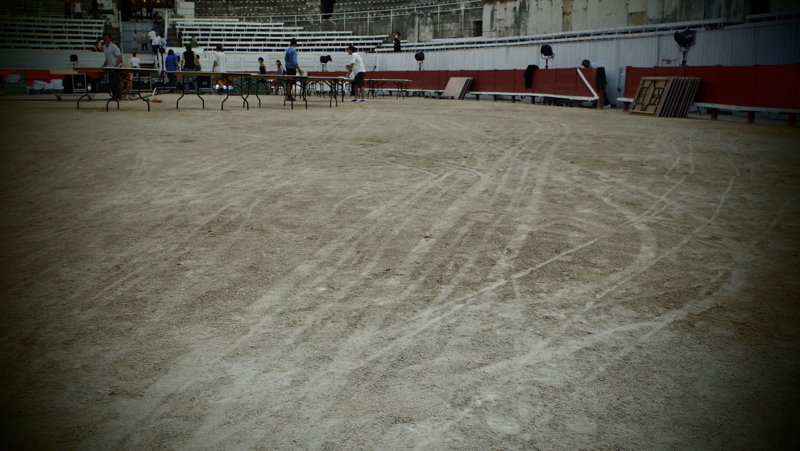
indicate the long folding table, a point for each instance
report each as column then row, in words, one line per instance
column 378, row 84
column 115, row 91
column 333, row 83
column 190, row 76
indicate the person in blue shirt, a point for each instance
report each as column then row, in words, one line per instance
column 291, row 62
column 171, row 64
column 291, row 58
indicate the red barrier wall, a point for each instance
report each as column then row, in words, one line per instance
column 775, row 86
column 545, row 81
column 548, row 81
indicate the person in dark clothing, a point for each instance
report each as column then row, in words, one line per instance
column 262, row 69
column 528, row 75
column 95, row 10
column 397, row 40
column 171, row 64
column 601, row 81
column 67, row 9
column 279, row 84
column 187, row 64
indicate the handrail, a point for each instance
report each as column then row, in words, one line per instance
column 584, row 35
column 774, row 16
column 370, row 13
column 47, row 19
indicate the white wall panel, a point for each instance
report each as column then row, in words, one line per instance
column 736, row 46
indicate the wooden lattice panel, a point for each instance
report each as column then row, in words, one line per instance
column 665, row 96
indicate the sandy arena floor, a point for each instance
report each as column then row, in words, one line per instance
column 400, row 274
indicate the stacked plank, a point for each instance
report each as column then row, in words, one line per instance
column 457, row 88
column 665, row 96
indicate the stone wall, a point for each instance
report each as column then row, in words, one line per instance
column 533, row 17
column 413, row 26
column 497, row 18
column 239, row 8
column 386, row 18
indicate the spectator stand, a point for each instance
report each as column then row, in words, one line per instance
column 39, row 33
column 238, row 36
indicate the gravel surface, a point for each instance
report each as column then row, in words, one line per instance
column 396, row 274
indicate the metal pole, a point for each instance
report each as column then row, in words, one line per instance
column 367, row 22
column 121, row 34
column 166, row 25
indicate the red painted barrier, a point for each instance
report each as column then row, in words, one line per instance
column 776, row 86
column 565, row 82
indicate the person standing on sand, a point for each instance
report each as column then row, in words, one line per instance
column 358, row 72
column 219, row 66
column 290, row 58
column 111, row 51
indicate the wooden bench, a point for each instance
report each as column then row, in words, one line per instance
column 522, row 95
column 494, row 95
column 713, row 109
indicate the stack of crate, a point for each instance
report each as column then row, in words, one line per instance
column 15, row 85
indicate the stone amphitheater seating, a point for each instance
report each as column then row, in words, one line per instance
column 237, row 36
column 347, row 6
column 49, row 34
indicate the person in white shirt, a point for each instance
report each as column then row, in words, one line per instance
column 135, row 60
column 219, row 63
column 358, row 72
column 156, row 43
column 111, row 51
column 77, row 12
column 150, row 36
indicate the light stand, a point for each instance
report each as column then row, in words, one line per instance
column 547, row 55
column 420, row 57
column 324, row 60
column 685, row 40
